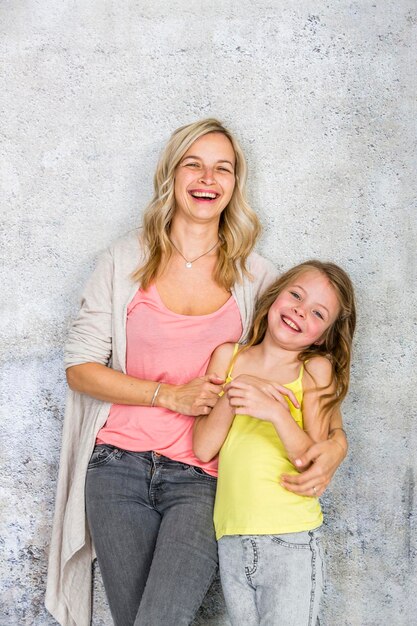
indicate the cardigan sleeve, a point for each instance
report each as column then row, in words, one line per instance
column 90, row 336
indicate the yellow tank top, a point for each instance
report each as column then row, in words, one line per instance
column 249, row 498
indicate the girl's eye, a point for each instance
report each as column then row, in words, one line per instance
column 225, row 169
column 319, row 315
column 295, row 295
column 191, row 164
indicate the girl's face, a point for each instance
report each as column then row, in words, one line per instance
column 205, row 178
column 303, row 311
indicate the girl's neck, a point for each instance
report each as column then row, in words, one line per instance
column 272, row 355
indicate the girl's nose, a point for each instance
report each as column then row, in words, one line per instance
column 299, row 311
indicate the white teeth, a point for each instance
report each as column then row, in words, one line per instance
column 204, row 194
column 290, row 323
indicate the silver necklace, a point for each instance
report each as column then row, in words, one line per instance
column 188, row 263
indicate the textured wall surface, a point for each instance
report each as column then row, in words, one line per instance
column 321, row 95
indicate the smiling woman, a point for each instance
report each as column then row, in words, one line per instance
column 205, row 178
column 159, row 302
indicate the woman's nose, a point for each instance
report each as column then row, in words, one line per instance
column 207, row 175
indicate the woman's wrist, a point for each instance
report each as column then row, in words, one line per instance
column 164, row 397
column 155, row 394
column 338, row 435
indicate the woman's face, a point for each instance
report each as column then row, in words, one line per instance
column 205, row 178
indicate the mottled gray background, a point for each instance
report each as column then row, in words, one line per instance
column 321, row 95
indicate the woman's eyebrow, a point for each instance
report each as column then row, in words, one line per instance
column 191, row 156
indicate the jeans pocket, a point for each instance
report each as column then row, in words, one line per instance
column 102, row 454
column 198, row 472
column 298, row 541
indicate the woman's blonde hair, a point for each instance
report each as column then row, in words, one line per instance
column 336, row 344
column 239, row 226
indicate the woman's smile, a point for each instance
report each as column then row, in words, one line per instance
column 205, row 178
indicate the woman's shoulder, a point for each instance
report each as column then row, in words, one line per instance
column 257, row 262
column 263, row 272
column 127, row 244
column 124, row 254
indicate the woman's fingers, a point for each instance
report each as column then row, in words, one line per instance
column 312, row 488
column 198, row 396
column 304, row 483
column 325, row 457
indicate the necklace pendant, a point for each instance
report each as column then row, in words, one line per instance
column 188, row 264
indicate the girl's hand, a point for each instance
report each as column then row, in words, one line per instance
column 257, row 397
column 324, row 457
column 197, row 397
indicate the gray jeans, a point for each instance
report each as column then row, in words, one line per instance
column 151, row 520
column 272, row 580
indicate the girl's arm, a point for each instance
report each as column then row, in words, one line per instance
column 249, row 399
column 322, row 461
column 210, row 431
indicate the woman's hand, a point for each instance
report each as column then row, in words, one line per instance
column 197, row 397
column 323, row 458
column 257, row 397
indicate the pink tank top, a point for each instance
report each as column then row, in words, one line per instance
column 173, row 348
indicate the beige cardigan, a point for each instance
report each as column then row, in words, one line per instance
column 99, row 335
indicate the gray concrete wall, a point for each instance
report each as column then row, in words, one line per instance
column 321, row 95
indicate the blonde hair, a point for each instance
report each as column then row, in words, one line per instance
column 239, row 226
column 337, row 340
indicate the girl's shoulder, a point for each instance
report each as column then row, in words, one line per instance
column 221, row 358
column 318, row 372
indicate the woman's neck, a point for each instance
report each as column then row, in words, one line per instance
column 193, row 239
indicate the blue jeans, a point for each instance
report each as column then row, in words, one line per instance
column 151, row 520
column 272, row 580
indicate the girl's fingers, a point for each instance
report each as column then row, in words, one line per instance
column 288, row 393
column 272, row 389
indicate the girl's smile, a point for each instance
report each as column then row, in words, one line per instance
column 303, row 311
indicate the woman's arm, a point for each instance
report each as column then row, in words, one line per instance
column 196, row 397
column 210, row 431
column 89, row 348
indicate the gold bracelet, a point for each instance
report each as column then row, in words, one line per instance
column 337, row 428
column 344, row 450
column 155, row 394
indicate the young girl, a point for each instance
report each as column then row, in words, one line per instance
column 269, row 549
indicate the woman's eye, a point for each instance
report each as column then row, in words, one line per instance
column 225, row 169
column 191, row 164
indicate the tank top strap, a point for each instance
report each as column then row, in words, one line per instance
column 232, row 363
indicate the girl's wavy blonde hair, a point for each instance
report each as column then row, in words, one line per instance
column 239, row 226
column 336, row 344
